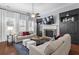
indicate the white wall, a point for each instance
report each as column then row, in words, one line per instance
column 0, row 26
column 63, row 9
column 5, row 17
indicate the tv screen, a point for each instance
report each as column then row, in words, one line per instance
column 48, row 20
column 51, row 20
column 44, row 21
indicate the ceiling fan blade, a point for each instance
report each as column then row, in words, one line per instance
column 37, row 13
column 38, row 16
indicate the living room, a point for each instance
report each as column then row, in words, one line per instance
column 39, row 28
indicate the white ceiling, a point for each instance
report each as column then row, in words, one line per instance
column 38, row 7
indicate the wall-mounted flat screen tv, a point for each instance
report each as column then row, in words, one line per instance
column 48, row 20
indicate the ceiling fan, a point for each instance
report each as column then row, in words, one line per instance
column 34, row 15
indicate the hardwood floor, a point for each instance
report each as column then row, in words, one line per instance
column 7, row 50
column 10, row 50
column 74, row 49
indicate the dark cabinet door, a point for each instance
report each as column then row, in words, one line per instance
column 78, row 27
column 72, row 27
column 75, row 38
column 67, row 27
column 62, row 28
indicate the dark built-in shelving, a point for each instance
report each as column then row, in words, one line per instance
column 69, row 23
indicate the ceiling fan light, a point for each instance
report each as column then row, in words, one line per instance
column 33, row 15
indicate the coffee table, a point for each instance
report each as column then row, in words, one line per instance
column 40, row 40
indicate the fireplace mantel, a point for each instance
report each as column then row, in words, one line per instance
column 52, row 27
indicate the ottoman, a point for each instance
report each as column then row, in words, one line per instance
column 31, row 42
column 24, row 42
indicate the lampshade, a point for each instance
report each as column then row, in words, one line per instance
column 13, row 33
column 33, row 15
column 10, row 28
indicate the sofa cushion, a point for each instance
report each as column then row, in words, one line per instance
column 49, row 50
column 43, row 46
column 53, row 46
column 24, row 33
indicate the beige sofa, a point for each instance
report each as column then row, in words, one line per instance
column 21, row 38
column 61, row 46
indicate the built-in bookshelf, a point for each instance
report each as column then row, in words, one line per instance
column 69, row 23
column 69, row 18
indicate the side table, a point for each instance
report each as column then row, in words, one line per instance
column 10, row 39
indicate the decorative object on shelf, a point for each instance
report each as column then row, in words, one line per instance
column 72, row 19
column 67, row 19
column 67, row 14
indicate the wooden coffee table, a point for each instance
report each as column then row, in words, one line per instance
column 7, row 50
column 40, row 40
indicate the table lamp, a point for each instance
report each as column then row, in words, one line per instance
column 10, row 36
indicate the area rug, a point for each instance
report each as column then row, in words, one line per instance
column 21, row 50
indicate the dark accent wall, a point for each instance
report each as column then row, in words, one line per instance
column 39, row 21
